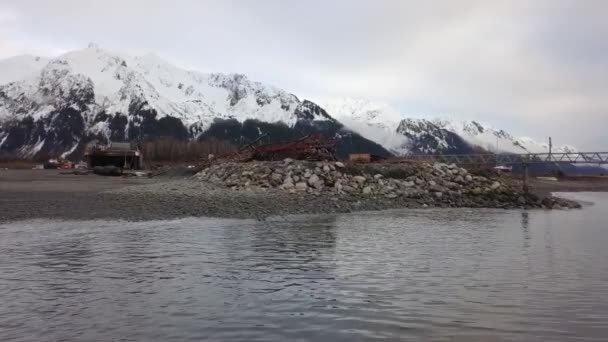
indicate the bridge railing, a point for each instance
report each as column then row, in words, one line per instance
column 506, row 159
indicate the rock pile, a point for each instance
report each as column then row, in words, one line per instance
column 427, row 184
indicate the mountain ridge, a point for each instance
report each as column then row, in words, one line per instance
column 56, row 106
column 430, row 135
column 93, row 94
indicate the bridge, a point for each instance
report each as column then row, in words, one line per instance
column 510, row 159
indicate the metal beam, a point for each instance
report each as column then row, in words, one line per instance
column 498, row 159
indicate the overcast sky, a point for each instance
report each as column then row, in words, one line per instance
column 535, row 68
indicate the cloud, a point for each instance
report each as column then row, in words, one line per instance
column 534, row 67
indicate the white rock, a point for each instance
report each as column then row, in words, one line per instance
column 326, row 168
column 339, row 164
column 432, row 183
column 439, row 194
column 495, row 185
column 378, row 176
column 301, row 186
column 359, row 179
column 407, row 184
column 468, row 178
column 367, row 190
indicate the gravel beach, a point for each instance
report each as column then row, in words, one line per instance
column 38, row 194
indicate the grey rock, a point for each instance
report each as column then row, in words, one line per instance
column 276, row 179
column 301, row 186
column 495, row 185
column 339, row 164
column 313, row 179
column 349, row 189
column 367, row 190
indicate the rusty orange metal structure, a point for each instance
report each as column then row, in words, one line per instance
column 310, row 147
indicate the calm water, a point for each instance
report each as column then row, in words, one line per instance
column 463, row 275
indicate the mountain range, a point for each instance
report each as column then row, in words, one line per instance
column 54, row 107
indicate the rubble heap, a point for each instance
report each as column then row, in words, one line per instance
column 435, row 184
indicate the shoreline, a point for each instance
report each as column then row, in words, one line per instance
column 45, row 194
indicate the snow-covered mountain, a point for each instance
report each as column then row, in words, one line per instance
column 374, row 120
column 59, row 105
column 493, row 139
column 56, row 106
column 19, row 67
column 380, row 122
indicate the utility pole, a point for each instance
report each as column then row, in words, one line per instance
column 550, row 147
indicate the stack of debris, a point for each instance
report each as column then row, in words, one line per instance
column 311, row 147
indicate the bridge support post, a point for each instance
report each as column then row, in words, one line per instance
column 525, row 178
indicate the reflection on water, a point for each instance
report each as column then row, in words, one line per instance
column 464, row 275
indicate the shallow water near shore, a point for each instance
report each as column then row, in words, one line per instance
column 436, row 274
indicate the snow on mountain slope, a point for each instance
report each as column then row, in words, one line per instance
column 373, row 120
column 94, row 93
column 385, row 125
column 117, row 80
column 497, row 140
column 18, row 67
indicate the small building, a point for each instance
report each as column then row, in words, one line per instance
column 365, row 158
column 121, row 155
column 360, row 158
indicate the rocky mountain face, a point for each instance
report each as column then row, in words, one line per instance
column 58, row 106
column 382, row 123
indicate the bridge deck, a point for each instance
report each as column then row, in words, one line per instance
column 507, row 159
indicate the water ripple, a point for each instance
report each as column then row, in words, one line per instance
column 445, row 275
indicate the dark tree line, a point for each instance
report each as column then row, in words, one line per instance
column 173, row 150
